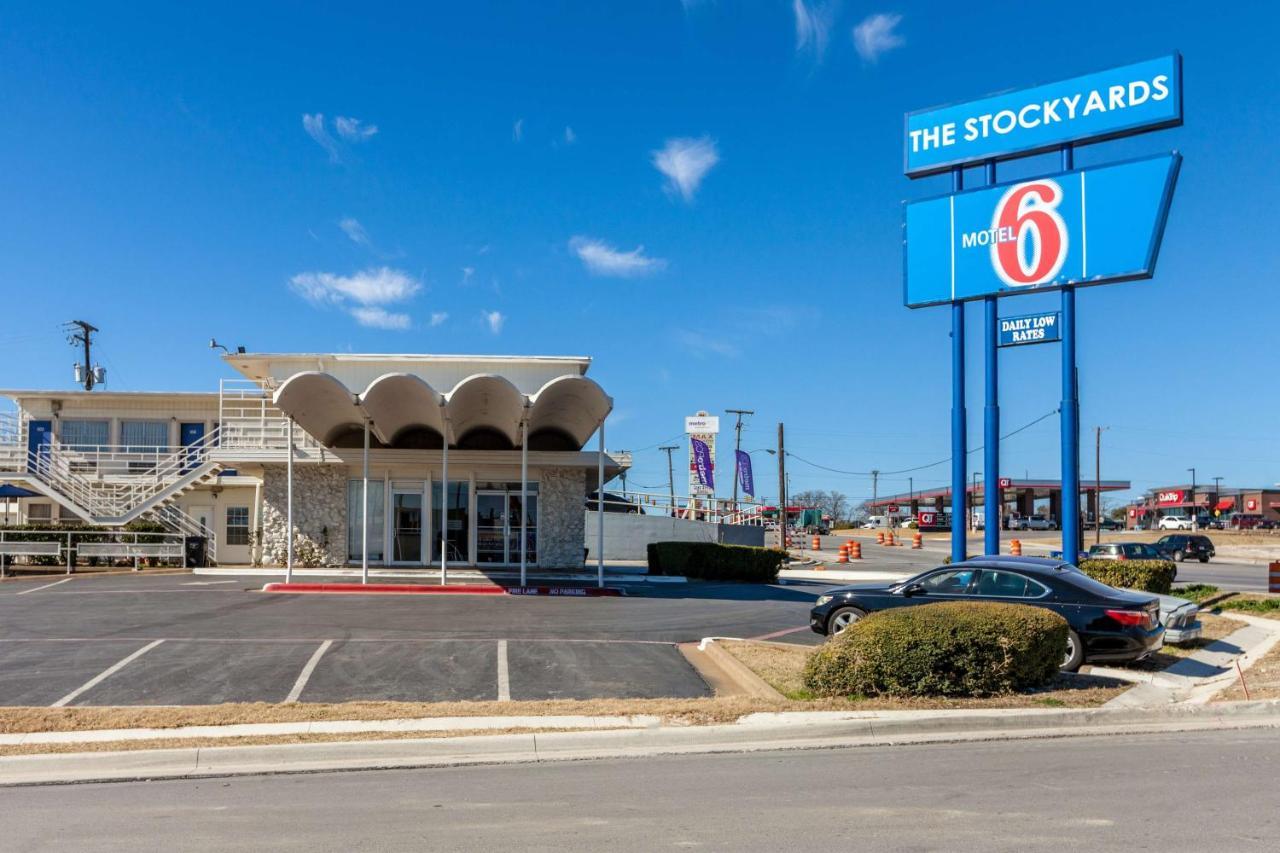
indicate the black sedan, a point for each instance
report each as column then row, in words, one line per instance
column 1106, row 624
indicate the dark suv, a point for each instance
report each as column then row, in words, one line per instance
column 1180, row 546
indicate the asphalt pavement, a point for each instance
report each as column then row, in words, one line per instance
column 190, row 640
column 1190, row 791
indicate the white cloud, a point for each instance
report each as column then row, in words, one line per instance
column 876, row 36
column 313, row 124
column 467, row 273
column 355, row 231
column 517, row 130
column 569, row 136
column 701, row 345
column 353, row 130
column 602, row 259
column 494, row 320
column 813, row 26
column 362, row 294
column 686, row 162
column 380, row 318
column 438, row 318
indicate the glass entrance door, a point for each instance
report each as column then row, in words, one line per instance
column 491, row 527
column 406, row 531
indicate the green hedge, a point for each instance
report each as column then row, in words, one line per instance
column 711, row 561
column 957, row 648
column 1143, row 575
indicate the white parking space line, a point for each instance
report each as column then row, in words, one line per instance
column 305, row 675
column 38, row 588
column 504, row 673
column 104, row 675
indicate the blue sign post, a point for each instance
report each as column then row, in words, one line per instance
column 1043, row 328
column 1058, row 232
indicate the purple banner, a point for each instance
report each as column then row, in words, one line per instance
column 745, row 480
column 702, row 462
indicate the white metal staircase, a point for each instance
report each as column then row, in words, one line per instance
column 114, row 485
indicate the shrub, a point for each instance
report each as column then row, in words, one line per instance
column 1143, row 575
column 712, row 561
column 1196, row 592
column 958, row 648
column 1251, row 605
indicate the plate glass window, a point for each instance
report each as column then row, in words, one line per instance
column 377, row 514
column 237, row 525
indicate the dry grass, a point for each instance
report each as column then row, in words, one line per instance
column 261, row 740
column 781, row 665
column 1263, row 679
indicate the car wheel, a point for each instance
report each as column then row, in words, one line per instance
column 1204, row 558
column 1178, row 556
column 842, row 619
column 1074, row 655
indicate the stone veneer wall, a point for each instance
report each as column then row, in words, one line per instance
column 561, row 492
column 319, row 514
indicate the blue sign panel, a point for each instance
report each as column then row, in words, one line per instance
column 1130, row 99
column 1030, row 329
column 1083, row 227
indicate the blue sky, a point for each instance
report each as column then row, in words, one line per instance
column 705, row 197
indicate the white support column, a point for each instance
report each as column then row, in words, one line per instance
column 288, row 565
column 600, row 510
column 364, row 511
column 444, row 512
column 524, row 498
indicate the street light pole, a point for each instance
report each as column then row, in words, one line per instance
column 671, row 476
column 1217, row 493
column 972, row 499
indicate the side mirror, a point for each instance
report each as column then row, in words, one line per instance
column 914, row 589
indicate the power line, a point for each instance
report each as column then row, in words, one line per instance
column 920, row 467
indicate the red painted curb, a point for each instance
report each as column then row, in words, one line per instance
column 384, row 588
column 567, row 591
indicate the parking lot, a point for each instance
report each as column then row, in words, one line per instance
column 188, row 640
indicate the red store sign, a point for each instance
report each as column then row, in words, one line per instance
column 1172, row 498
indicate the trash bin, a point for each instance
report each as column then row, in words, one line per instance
column 195, row 552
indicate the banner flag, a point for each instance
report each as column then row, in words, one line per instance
column 702, row 463
column 745, row 480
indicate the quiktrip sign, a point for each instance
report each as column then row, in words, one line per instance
column 1128, row 99
column 1082, row 227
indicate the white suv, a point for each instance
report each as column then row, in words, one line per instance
column 1174, row 522
column 1039, row 522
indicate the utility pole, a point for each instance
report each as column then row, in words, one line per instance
column 1195, row 510
column 623, row 476
column 671, row 476
column 84, row 337
column 1217, row 494
column 782, row 488
column 737, row 445
column 875, row 487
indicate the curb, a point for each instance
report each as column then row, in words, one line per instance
column 437, row 589
column 744, row 679
column 755, row 733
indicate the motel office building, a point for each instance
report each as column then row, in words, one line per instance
column 454, row 442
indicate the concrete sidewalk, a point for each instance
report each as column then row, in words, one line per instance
column 756, row 732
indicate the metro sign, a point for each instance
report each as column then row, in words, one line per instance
column 1082, row 227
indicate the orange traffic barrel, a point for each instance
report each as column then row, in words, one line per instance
column 1274, row 577
column 843, row 556
column 817, row 543
column 917, row 540
column 879, row 537
column 888, row 538
column 855, row 550
column 1015, row 547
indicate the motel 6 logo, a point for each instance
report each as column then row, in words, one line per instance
column 1028, row 236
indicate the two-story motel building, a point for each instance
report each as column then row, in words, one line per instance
column 480, row 447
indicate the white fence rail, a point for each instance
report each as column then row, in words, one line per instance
column 69, row 545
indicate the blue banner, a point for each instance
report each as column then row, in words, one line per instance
column 1041, row 328
column 1084, row 227
column 702, row 463
column 1103, row 105
column 745, row 481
